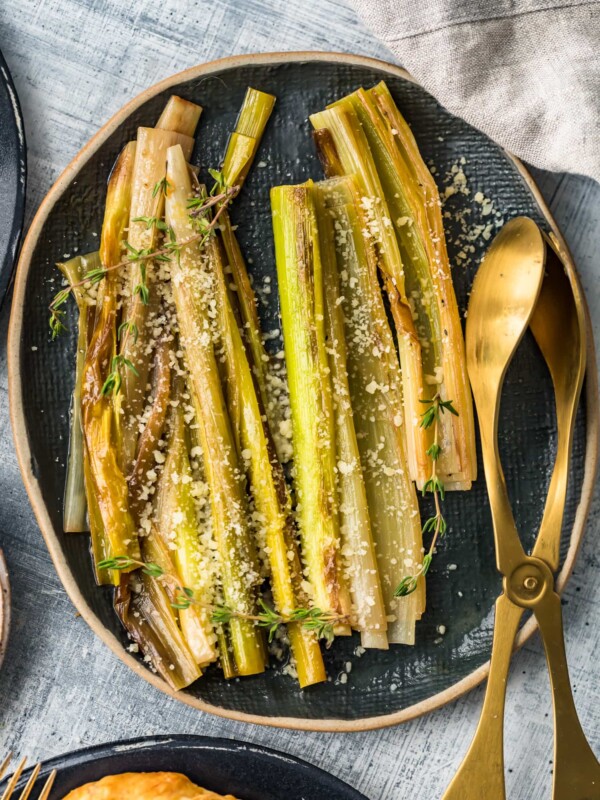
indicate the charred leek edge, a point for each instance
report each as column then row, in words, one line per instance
column 300, row 277
column 358, row 547
column 243, row 142
column 192, row 291
column 75, row 504
column 147, row 615
column 141, row 307
column 155, row 423
column 267, row 481
column 374, row 382
column 178, row 526
column 457, row 466
column 108, row 481
column 355, row 158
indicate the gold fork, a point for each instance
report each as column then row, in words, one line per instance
column 8, row 792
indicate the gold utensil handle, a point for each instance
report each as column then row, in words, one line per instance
column 509, row 550
column 576, row 768
column 481, row 774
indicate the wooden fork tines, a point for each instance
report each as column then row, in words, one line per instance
column 16, row 776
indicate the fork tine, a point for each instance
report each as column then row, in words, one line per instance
column 44, row 794
column 14, row 780
column 32, row 779
column 4, row 765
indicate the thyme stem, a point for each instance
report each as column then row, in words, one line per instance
column 97, row 275
column 436, row 523
column 321, row 623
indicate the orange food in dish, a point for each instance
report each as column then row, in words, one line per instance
column 144, row 786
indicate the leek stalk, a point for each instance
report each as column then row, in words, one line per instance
column 410, row 184
column 243, row 142
column 175, row 126
column 375, row 392
column 108, row 481
column 178, row 526
column 193, row 289
column 155, row 423
column 267, row 483
column 358, row 547
column 355, row 158
column 179, row 115
column 300, row 277
column 75, row 504
column 144, row 607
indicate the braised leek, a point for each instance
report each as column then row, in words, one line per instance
column 192, row 293
column 107, row 478
column 299, row 271
column 194, row 560
column 358, row 549
column 142, row 308
column 75, row 504
column 375, row 392
column 355, row 158
column 429, row 280
column 243, row 142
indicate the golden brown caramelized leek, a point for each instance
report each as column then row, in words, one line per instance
column 107, row 479
column 143, row 606
column 142, row 307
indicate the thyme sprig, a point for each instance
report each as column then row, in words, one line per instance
column 321, row 623
column 435, row 524
column 199, row 208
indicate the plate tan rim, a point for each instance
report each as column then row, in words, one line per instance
column 25, row 457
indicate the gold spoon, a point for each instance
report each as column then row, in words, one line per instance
column 558, row 324
column 504, row 295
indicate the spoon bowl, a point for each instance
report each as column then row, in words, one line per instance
column 503, row 298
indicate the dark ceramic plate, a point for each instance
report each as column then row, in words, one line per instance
column 383, row 687
column 12, row 175
column 245, row 770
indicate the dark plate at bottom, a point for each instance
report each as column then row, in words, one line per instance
column 247, row 771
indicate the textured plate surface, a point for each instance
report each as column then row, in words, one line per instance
column 12, row 175
column 383, row 687
column 247, row 771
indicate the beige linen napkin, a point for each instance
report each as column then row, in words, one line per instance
column 526, row 72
